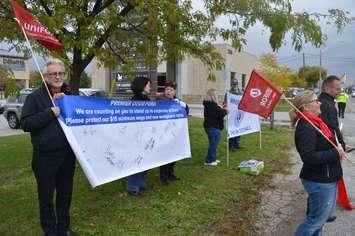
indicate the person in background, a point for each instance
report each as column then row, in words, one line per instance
column 321, row 163
column 167, row 171
column 341, row 100
column 234, row 143
column 137, row 182
column 53, row 161
column 213, row 125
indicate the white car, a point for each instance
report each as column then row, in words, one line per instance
column 90, row 92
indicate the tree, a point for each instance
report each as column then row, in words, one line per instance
column 88, row 28
column 281, row 76
column 312, row 74
column 35, row 79
column 85, row 80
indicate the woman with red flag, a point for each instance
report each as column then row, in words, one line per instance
column 321, row 162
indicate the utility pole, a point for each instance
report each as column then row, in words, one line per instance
column 320, row 69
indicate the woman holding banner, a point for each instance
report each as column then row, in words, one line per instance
column 167, row 171
column 321, row 162
column 137, row 182
column 213, row 124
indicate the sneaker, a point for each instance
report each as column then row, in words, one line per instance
column 214, row 163
column 218, row 161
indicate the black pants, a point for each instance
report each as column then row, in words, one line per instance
column 341, row 108
column 166, row 171
column 54, row 172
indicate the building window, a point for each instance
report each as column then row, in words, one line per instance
column 230, row 51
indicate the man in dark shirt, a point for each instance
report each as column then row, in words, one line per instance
column 331, row 88
column 53, row 161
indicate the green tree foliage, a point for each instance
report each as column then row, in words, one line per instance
column 35, row 79
column 113, row 31
column 312, row 74
column 5, row 74
column 281, row 76
column 85, row 80
column 12, row 88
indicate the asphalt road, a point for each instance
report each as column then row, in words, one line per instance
column 5, row 130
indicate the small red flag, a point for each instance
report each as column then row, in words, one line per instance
column 33, row 28
column 260, row 95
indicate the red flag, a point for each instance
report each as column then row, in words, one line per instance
column 33, row 28
column 260, row 95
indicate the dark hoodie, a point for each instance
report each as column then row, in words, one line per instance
column 214, row 115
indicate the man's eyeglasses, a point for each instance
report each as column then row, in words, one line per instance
column 55, row 74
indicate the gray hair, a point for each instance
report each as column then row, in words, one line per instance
column 51, row 62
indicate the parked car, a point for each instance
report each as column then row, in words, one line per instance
column 13, row 108
column 90, row 92
column 2, row 107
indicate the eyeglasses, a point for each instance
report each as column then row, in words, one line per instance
column 314, row 100
column 55, row 74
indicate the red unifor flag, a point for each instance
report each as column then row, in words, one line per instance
column 33, row 28
column 260, row 95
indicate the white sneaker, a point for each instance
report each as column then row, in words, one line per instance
column 218, row 161
column 214, row 163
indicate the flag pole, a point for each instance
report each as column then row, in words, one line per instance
column 35, row 60
column 294, row 107
column 260, row 133
column 227, row 101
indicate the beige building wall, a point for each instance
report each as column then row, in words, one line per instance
column 194, row 74
column 22, row 75
column 100, row 76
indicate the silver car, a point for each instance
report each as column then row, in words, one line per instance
column 13, row 108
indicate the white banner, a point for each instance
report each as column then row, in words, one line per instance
column 240, row 122
column 113, row 139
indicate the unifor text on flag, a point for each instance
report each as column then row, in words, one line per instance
column 260, row 95
column 34, row 29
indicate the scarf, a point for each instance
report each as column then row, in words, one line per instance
column 318, row 122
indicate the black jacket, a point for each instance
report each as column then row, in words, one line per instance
column 329, row 115
column 140, row 96
column 38, row 119
column 214, row 115
column 321, row 161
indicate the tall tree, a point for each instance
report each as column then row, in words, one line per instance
column 5, row 75
column 87, row 28
column 312, row 74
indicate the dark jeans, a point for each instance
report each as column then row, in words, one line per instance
column 136, row 182
column 234, row 142
column 214, row 136
column 341, row 108
column 166, row 172
column 54, row 172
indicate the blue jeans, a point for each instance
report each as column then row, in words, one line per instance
column 214, row 136
column 322, row 200
column 136, row 182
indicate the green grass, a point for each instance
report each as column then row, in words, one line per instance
column 282, row 105
column 207, row 201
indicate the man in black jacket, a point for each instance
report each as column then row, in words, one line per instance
column 53, row 161
column 331, row 88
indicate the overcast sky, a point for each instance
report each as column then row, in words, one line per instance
column 338, row 53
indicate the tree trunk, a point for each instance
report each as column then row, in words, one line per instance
column 76, row 70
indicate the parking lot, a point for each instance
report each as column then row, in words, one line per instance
column 5, row 129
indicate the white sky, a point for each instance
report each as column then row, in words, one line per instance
column 338, row 56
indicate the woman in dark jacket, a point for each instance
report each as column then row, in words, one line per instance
column 213, row 125
column 137, row 182
column 321, row 162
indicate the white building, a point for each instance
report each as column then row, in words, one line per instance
column 192, row 74
column 19, row 66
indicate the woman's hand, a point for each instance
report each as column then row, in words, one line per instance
column 340, row 150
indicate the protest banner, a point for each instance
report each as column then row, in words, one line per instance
column 113, row 138
column 239, row 121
